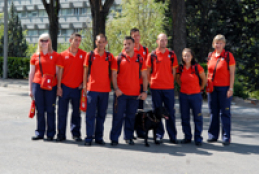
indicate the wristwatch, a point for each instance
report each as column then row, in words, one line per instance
column 145, row 91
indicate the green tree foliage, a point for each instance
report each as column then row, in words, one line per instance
column 207, row 18
column 1, row 25
column 248, row 55
column 146, row 15
column 17, row 44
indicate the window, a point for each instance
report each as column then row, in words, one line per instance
column 76, row 11
column 33, row 32
column 70, row 12
column 67, row 12
column 34, row 14
column 63, row 12
column 83, row 10
column 29, row 14
column 19, row 15
column 43, row 31
column 63, row 32
column 23, row 14
column 42, row 13
column 69, row 32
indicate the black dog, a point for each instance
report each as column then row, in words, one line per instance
column 150, row 121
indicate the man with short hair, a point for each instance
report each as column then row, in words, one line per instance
column 97, row 87
column 70, row 78
column 127, row 68
column 143, row 51
column 163, row 64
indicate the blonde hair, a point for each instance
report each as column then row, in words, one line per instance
column 218, row 37
column 44, row 36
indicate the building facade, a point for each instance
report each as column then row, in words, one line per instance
column 74, row 15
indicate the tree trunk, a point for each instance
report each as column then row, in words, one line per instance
column 99, row 14
column 52, row 10
column 179, row 26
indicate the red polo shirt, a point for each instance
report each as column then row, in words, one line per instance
column 99, row 80
column 73, row 68
column 48, row 64
column 189, row 80
column 162, row 76
column 222, row 76
column 128, row 77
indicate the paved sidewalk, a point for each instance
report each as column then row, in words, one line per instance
column 239, row 109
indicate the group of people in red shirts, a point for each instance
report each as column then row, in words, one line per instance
column 75, row 71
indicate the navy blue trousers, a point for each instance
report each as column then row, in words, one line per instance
column 193, row 102
column 167, row 97
column 73, row 95
column 128, row 105
column 96, row 101
column 219, row 106
column 45, row 101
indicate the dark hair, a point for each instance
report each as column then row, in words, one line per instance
column 75, row 34
column 193, row 62
column 133, row 30
column 129, row 38
column 101, row 36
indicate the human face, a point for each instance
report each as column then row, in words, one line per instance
column 162, row 41
column 101, row 43
column 219, row 45
column 74, row 43
column 128, row 45
column 44, row 43
column 136, row 36
column 187, row 57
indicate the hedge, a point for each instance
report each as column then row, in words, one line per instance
column 18, row 67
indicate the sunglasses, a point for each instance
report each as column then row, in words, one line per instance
column 44, row 41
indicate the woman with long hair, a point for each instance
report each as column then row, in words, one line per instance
column 192, row 79
column 43, row 82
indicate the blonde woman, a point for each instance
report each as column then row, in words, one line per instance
column 221, row 75
column 43, row 82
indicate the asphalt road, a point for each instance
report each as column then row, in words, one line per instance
column 18, row 154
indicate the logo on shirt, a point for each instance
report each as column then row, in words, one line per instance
column 144, row 53
column 222, row 58
column 66, row 57
column 169, row 56
column 123, row 60
column 93, row 58
column 81, row 56
column 50, row 57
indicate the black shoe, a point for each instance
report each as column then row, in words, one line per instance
column 226, row 143
column 88, row 143
column 59, row 139
column 49, row 139
column 77, row 139
column 130, row 142
column 100, row 142
column 198, row 143
column 174, row 141
column 212, row 140
column 114, row 143
column 36, row 138
column 186, row 141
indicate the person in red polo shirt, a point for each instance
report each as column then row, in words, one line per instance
column 70, row 79
column 143, row 51
column 191, row 78
column 163, row 64
column 221, row 72
column 127, row 68
column 97, row 86
column 44, row 62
